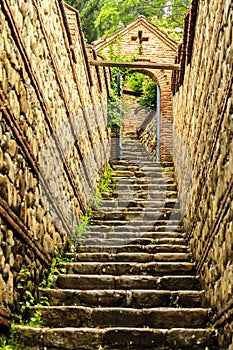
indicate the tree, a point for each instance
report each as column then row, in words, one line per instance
column 89, row 11
column 103, row 17
column 114, row 14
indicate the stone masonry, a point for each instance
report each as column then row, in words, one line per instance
column 54, row 142
column 203, row 152
column 54, row 138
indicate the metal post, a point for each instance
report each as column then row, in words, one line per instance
column 158, row 124
column 119, row 135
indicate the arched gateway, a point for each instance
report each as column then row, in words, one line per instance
column 154, row 54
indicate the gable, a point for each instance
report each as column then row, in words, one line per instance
column 131, row 33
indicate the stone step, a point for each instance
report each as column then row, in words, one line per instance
column 127, row 282
column 149, row 249
column 148, row 174
column 142, row 169
column 128, row 257
column 124, row 163
column 116, row 338
column 129, row 268
column 122, row 203
column 130, row 226
column 135, row 157
column 93, row 241
column 146, row 237
column 137, row 223
column 145, row 186
column 162, row 317
column 131, row 213
column 137, row 209
column 124, row 298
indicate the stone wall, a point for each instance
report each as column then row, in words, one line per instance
column 54, row 137
column 148, row 133
column 203, row 153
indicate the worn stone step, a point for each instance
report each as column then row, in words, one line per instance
column 160, row 187
column 141, row 238
column 128, row 257
column 137, row 226
column 140, row 171
column 149, row 249
column 140, row 208
column 123, row 203
column 129, row 268
column 149, row 178
column 135, row 222
column 139, row 213
column 129, row 230
column 154, row 237
column 121, row 241
column 162, row 317
column 124, row 298
column 127, row 282
column 115, row 338
column 150, row 163
column 136, row 167
column 148, row 237
column 136, row 158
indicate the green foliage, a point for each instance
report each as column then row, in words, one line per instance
column 115, row 106
column 27, row 298
column 114, row 14
column 114, row 111
column 28, row 302
column 4, row 345
column 144, row 86
column 149, row 94
column 81, row 230
column 35, row 320
column 106, row 183
column 12, row 342
column 97, row 201
column 135, row 82
column 169, row 26
column 89, row 11
column 169, row 169
column 108, row 16
column 55, row 270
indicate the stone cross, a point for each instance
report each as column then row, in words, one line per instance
column 140, row 40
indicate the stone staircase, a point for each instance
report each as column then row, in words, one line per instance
column 132, row 283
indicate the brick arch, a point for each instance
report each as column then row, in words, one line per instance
column 142, row 39
column 158, row 78
column 163, row 79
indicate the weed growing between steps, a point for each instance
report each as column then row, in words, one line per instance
column 12, row 342
column 55, row 270
column 80, row 232
column 27, row 317
column 105, row 187
column 107, row 184
column 28, row 302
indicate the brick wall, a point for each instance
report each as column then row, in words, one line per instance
column 54, row 138
column 203, row 153
column 157, row 47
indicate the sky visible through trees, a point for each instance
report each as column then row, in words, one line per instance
column 101, row 18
